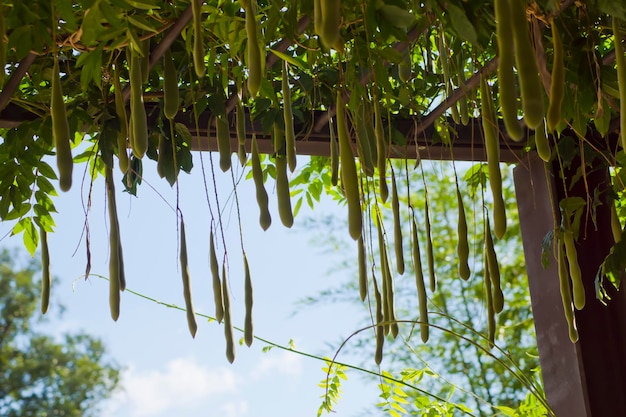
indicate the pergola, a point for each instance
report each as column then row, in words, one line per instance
column 586, row 379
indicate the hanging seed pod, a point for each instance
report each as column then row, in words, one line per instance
column 506, row 76
column 557, row 81
column 462, row 247
column 171, row 100
column 491, row 315
column 419, row 283
column 429, row 249
column 574, row 269
column 566, row 293
column 349, row 176
column 255, row 66
column 114, row 247
column 198, row 45
column 494, row 270
column 120, row 110
column 60, row 130
column 362, row 259
column 542, row 144
column 138, row 118
column 330, row 22
column 240, row 121
column 184, row 267
column 492, row 145
column 217, row 284
column 381, row 151
column 527, row 70
column 248, row 328
column 334, row 154
column 380, row 327
column 290, row 136
column 46, row 278
column 228, row 324
column 261, row 195
column 397, row 225
column 222, row 131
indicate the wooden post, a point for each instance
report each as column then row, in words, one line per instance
column 586, row 379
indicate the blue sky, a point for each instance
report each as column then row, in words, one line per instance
column 166, row 372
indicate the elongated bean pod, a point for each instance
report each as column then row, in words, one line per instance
column 381, row 152
column 283, row 194
column 217, row 283
column 364, row 151
column 542, row 144
column 248, row 327
column 145, row 59
column 171, row 99
column 362, row 259
column 46, row 278
column 240, row 122
column 222, row 131
column 228, row 323
column 506, row 76
column 114, row 246
column 120, row 109
column 430, row 254
column 198, row 44
column 491, row 315
column 492, row 145
column 139, row 121
column 557, row 81
column 184, row 267
column 494, row 270
column 397, row 225
column 574, row 269
column 566, row 293
column 334, row 154
column 527, row 70
column 255, row 66
column 384, row 271
column 349, row 176
column 331, row 22
column 380, row 331
column 60, row 130
column 621, row 77
column 261, row 195
column 419, row 283
column 290, row 135
column 462, row 247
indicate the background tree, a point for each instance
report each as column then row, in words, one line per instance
column 453, row 363
column 41, row 375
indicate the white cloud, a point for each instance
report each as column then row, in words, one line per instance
column 285, row 363
column 234, row 409
column 181, row 384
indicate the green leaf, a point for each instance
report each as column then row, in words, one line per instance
column 290, row 59
column 30, row 235
column 461, row 24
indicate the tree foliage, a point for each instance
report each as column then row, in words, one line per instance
column 41, row 375
column 456, row 363
column 379, row 79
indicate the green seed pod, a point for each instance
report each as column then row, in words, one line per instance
column 419, row 283
column 527, row 70
column 184, row 266
column 61, row 131
column 349, row 176
column 171, row 100
column 46, row 279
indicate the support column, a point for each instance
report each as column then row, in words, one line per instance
column 586, row 379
